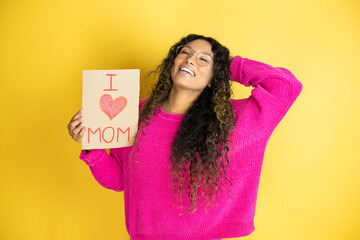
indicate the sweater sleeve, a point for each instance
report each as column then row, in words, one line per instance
column 275, row 89
column 106, row 169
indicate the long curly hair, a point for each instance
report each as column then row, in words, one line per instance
column 203, row 137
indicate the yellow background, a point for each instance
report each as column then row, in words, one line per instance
column 309, row 187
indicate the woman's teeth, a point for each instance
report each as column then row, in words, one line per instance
column 187, row 70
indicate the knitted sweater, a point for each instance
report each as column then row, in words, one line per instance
column 150, row 210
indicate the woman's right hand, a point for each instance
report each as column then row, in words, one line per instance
column 76, row 126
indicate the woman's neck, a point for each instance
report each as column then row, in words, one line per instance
column 178, row 102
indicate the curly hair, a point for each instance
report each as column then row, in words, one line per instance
column 203, row 137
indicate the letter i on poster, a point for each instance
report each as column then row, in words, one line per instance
column 110, row 100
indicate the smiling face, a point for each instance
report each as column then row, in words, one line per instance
column 186, row 72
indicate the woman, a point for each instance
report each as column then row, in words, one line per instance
column 194, row 141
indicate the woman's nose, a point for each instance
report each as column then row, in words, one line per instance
column 191, row 59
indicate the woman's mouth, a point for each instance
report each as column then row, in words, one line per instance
column 187, row 70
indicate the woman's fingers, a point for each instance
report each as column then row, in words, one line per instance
column 76, row 126
column 77, row 129
column 81, row 134
column 78, row 132
column 77, row 115
column 75, row 123
column 74, row 118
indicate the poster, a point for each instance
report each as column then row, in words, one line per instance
column 110, row 100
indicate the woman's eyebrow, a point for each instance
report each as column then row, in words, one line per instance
column 199, row 52
column 207, row 54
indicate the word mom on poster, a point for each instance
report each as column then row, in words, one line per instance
column 110, row 100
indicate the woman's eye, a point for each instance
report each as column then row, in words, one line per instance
column 185, row 52
column 204, row 60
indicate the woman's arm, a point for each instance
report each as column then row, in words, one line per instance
column 106, row 169
column 275, row 89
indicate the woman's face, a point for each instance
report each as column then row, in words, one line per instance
column 186, row 72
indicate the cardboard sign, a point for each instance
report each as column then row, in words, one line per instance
column 110, row 100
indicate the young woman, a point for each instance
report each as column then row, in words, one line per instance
column 193, row 142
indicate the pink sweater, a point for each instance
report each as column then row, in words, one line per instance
column 150, row 210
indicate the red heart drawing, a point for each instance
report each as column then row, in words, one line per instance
column 112, row 107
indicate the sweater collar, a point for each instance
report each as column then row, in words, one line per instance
column 167, row 115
